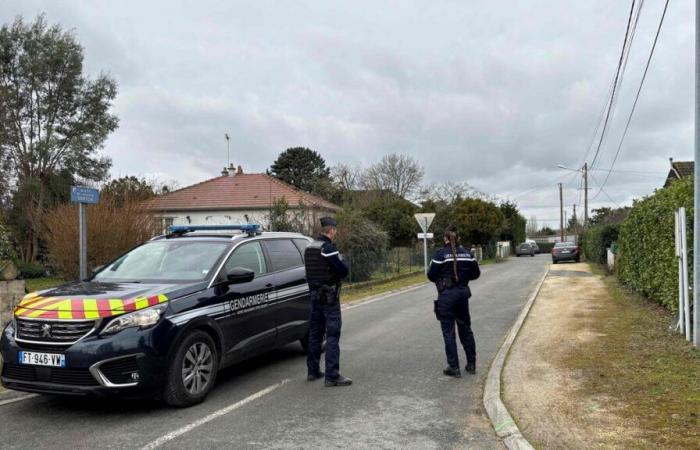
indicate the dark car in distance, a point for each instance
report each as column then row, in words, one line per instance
column 525, row 248
column 566, row 251
column 161, row 320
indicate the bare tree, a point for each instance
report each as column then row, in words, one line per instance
column 450, row 191
column 532, row 226
column 346, row 177
column 399, row 174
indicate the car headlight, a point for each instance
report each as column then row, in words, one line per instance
column 143, row 318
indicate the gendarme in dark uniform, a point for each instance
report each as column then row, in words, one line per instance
column 451, row 269
column 325, row 269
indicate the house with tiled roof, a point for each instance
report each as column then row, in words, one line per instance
column 235, row 197
column 678, row 170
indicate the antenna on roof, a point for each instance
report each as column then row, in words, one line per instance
column 228, row 151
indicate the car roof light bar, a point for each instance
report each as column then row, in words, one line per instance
column 250, row 228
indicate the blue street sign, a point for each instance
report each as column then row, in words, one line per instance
column 82, row 194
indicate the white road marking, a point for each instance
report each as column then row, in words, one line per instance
column 18, row 399
column 179, row 432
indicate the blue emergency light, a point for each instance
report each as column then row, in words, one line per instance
column 250, row 228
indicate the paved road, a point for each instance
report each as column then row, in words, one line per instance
column 392, row 348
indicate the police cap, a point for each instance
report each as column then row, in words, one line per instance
column 328, row 222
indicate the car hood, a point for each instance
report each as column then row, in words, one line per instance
column 94, row 300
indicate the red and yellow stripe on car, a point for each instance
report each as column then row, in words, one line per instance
column 35, row 306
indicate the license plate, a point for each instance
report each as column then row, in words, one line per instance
column 565, row 251
column 42, row 359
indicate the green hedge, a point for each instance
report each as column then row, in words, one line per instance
column 545, row 247
column 597, row 239
column 647, row 262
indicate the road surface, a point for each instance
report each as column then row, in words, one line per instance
column 392, row 348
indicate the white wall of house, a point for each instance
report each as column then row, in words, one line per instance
column 234, row 217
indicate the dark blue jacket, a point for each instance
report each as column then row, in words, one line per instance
column 332, row 255
column 441, row 265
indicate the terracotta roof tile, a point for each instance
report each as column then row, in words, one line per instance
column 244, row 191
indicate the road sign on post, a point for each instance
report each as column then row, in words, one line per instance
column 424, row 220
column 83, row 196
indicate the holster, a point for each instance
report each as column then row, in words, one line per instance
column 328, row 294
column 444, row 283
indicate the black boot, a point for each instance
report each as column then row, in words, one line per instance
column 339, row 381
column 315, row 376
column 471, row 368
column 452, row 372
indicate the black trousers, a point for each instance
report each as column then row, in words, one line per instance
column 325, row 319
column 452, row 310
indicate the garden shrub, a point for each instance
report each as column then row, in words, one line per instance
column 363, row 244
column 597, row 239
column 647, row 262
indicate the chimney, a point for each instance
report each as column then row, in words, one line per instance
column 239, row 171
column 224, row 172
column 231, row 171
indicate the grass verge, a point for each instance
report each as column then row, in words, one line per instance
column 650, row 372
column 355, row 292
column 38, row 284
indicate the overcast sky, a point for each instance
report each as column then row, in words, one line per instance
column 492, row 93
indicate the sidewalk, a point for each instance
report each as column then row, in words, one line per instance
column 595, row 367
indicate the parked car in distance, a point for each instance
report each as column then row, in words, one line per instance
column 534, row 245
column 525, row 249
column 566, row 251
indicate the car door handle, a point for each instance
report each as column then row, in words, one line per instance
column 269, row 285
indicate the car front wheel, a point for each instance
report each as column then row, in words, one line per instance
column 192, row 371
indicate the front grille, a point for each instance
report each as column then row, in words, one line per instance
column 119, row 371
column 58, row 375
column 52, row 331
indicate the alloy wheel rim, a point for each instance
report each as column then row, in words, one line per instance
column 197, row 368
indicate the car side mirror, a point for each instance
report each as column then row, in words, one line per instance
column 239, row 275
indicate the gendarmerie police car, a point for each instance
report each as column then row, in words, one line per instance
column 162, row 319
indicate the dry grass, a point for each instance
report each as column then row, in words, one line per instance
column 113, row 228
column 639, row 364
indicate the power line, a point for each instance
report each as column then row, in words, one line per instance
column 636, row 99
column 611, row 102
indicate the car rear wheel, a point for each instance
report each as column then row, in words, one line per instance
column 192, row 371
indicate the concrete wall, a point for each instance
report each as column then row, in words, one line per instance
column 11, row 292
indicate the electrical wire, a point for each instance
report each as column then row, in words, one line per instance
column 636, row 99
column 611, row 102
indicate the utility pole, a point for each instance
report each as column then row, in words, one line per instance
column 696, row 213
column 575, row 218
column 561, row 211
column 585, row 193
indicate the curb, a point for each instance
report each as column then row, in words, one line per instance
column 501, row 420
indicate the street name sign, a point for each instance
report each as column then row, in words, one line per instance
column 82, row 194
column 425, row 236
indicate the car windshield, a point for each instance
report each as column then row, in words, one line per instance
column 172, row 260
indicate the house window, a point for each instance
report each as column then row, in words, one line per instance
column 167, row 222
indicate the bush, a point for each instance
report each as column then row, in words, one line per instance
column 362, row 242
column 647, row 262
column 545, row 247
column 597, row 239
column 114, row 227
column 27, row 271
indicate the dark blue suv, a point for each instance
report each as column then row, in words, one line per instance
column 161, row 320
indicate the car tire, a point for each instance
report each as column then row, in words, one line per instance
column 554, row 262
column 532, row 254
column 197, row 359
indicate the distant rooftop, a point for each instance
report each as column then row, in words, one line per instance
column 678, row 170
column 237, row 191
